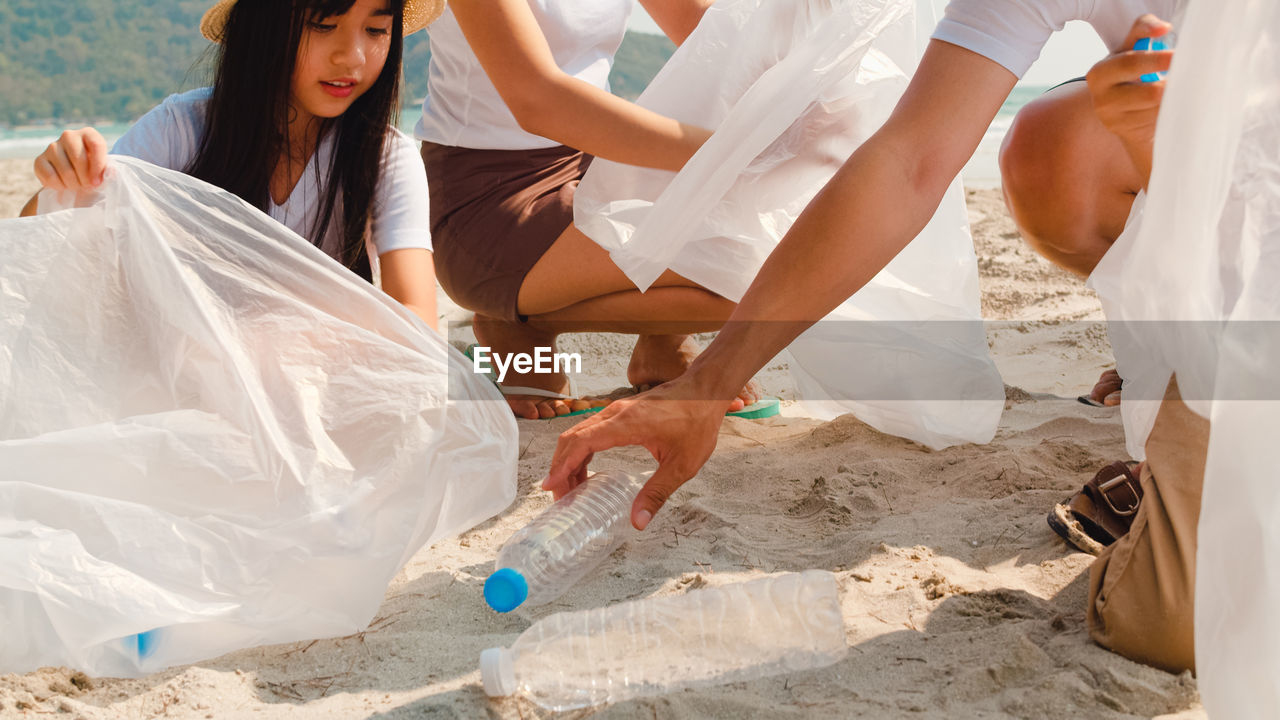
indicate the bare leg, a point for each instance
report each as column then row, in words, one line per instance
column 664, row 350
column 1067, row 180
column 575, row 269
column 576, row 287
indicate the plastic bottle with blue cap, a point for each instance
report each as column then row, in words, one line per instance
column 563, row 543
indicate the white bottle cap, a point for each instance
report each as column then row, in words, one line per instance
column 497, row 670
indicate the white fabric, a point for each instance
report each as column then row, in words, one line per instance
column 212, row 436
column 170, row 134
column 1207, row 250
column 792, row 89
column 1012, row 32
column 463, row 109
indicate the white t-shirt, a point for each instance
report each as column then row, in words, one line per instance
column 169, row 136
column 463, row 109
column 1012, row 32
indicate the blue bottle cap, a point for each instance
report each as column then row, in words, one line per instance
column 1151, row 44
column 145, row 643
column 505, row 590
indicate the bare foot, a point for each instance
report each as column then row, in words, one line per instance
column 505, row 337
column 661, row 358
column 1107, row 391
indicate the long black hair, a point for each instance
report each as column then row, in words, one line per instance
column 246, row 124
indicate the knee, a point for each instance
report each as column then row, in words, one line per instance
column 1144, row 615
column 1038, row 162
column 1166, row 643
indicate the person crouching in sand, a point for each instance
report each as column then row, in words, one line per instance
column 1141, row 589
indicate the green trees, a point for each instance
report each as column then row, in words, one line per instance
column 95, row 60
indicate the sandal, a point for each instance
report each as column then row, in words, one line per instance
column 1102, row 511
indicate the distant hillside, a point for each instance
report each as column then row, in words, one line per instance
column 639, row 58
column 96, row 60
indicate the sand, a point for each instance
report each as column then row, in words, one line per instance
column 958, row 600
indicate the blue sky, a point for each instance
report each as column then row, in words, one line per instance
column 1069, row 53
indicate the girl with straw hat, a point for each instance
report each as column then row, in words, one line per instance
column 299, row 123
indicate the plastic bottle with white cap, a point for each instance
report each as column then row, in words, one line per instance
column 563, row 543
column 778, row 624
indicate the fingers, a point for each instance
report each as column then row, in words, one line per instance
column 96, row 153
column 578, row 444
column 576, row 478
column 1128, row 67
column 58, row 174
column 1125, row 105
column 1117, row 101
column 46, row 172
column 1147, row 26
column 666, row 480
column 77, row 160
column 77, row 156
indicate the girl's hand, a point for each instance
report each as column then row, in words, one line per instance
column 76, row 161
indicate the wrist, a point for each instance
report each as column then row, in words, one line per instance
column 712, row 378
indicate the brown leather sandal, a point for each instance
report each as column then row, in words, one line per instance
column 1102, row 511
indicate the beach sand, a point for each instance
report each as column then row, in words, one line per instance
column 958, row 600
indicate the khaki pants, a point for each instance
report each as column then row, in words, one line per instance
column 1142, row 588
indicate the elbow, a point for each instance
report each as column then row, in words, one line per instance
column 529, row 116
column 929, row 177
column 533, row 106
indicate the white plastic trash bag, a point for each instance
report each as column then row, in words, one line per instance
column 211, row 435
column 792, row 88
column 1195, row 288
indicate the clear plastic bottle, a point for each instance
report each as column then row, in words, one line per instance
column 784, row 623
column 563, row 543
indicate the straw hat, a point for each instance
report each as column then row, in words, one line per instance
column 417, row 15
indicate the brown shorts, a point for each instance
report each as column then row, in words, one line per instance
column 493, row 215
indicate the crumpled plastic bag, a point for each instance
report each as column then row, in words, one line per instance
column 212, row 436
column 1193, row 288
column 792, row 88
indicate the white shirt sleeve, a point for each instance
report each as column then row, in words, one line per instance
column 169, row 135
column 401, row 216
column 1009, row 32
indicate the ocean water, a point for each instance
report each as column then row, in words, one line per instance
column 981, row 171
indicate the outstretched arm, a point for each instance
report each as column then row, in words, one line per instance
column 506, row 39
column 881, row 198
